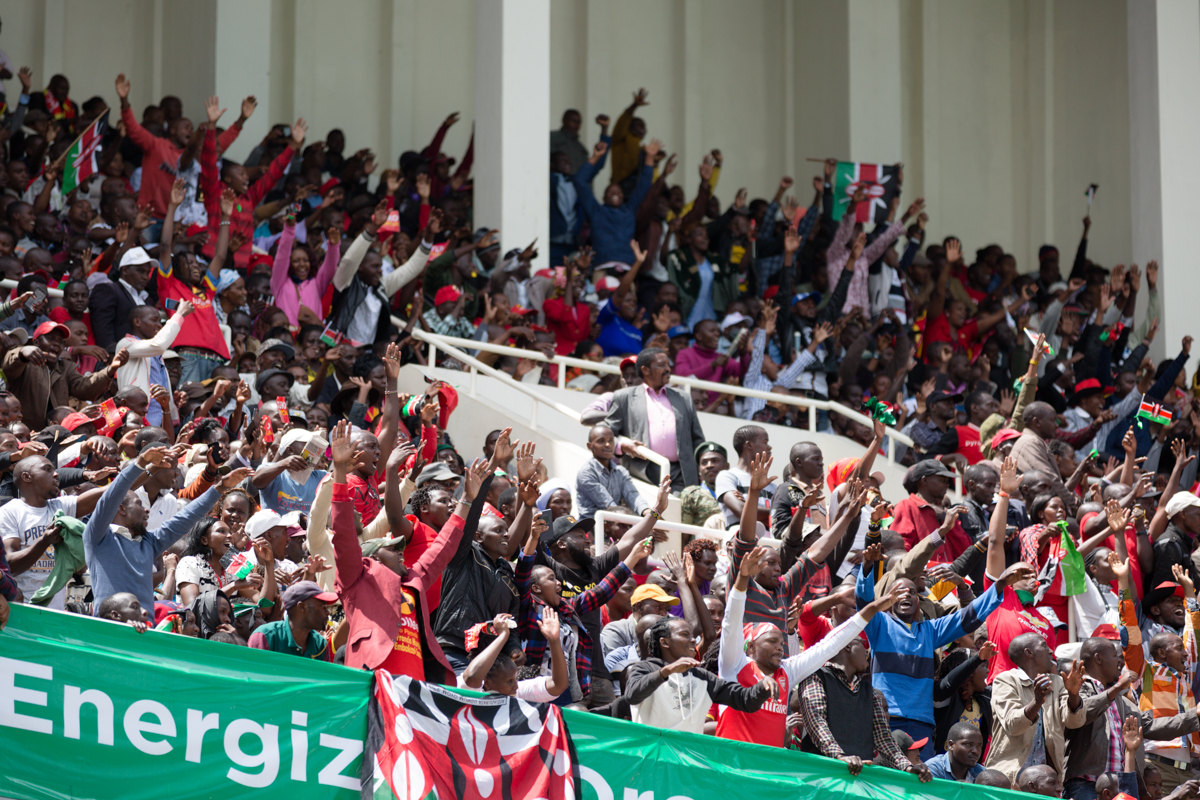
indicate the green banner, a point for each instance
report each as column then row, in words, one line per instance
column 91, row 709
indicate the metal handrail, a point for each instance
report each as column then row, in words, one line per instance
column 449, row 343
column 478, row 366
column 678, row 528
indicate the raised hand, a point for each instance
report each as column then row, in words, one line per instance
column 640, row 552
column 639, row 98
column 342, row 446
column 178, row 191
column 759, row 470
column 987, row 650
column 752, row 562
column 235, row 477
column 1131, row 733
column 228, row 199
column 1183, row 579
column 212, row 108
column 122, row 87
column 1073, row 680
column 473, row 478
column 953, row 251
column 548, row 624
column 299, row 131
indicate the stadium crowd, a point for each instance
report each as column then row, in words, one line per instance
column 204, row 436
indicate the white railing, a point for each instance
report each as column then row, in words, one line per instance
column 675, row 531
column 454, row 347
column 9, row 284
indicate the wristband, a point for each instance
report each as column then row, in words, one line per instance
column 1004, row 494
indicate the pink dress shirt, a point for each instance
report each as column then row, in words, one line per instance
column 660, row 419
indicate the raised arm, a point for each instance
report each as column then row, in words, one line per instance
column 1010, row 483
column 283, row 256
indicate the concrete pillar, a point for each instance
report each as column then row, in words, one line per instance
column 1164, row 113
column 873, row 51
column 243, row 27
column 512, row 117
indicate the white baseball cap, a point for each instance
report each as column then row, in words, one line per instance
column 261, row 522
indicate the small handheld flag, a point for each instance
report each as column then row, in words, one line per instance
column 1091, row 194
column 879, row 411
column 1071, row 563
column 80, row 160
column 1153, row 412
column 1033, row 337
column 393, row 222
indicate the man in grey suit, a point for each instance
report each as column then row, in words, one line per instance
column 660, row 416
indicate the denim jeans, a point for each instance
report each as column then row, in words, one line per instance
column 196, row 367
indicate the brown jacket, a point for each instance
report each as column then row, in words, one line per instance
column 44, row 388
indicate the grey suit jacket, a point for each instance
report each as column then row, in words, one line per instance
column 627, row 417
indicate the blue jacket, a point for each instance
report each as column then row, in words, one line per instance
column 612, row 228
column 1157, row 392
column 902, row 664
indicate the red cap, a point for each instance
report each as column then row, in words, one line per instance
column 48, row 327
column 75, row 419
column 1178, row 590
column 628, row 361
column 256, row 259
column 1107, row 631
column 521, row 310
column 919, row 743
column 1003, row 436
column 446, row 294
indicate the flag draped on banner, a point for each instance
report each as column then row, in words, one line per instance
column 881, row 182
column 422, row 738
column 81, row 161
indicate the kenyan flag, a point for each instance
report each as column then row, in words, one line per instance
column 881, row 182
column 425, row 740
column 1154, row 412
column 80, row 161
column 240, row 567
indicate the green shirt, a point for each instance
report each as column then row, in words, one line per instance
column 277, row 636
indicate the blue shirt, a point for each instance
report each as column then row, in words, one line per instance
column 618, row 336
column 902, row 664
column 703, row 309
column 159, row 377
column 284, row 494
column 939, row 767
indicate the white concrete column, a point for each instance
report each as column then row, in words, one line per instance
column 512, row 115
column 243, row 67
column 1164, row 114
column 873, row 34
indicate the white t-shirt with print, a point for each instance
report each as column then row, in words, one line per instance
column 22, row 522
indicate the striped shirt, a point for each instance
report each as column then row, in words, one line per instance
column 765, row 605
column 1165, row 692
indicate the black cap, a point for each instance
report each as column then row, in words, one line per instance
column 267, row 374
column 928, row 468
column 939, row 395
column 564, row 525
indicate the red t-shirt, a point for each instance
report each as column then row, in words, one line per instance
column 366, row 497
column 62, row 316
column 405, row 658
column 938, row 330
column 765, row 726
column 914, row 519
column 200, row 328
column 968, row 443
column 1009, row 621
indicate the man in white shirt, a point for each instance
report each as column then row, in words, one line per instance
column 25, row 523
